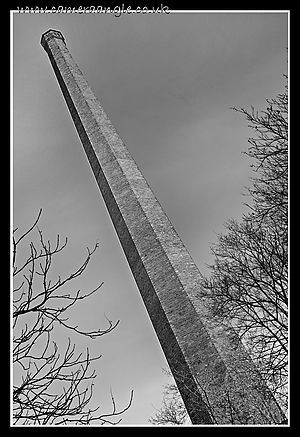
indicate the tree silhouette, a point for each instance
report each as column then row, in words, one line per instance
column 248, row 282
column 50, row 386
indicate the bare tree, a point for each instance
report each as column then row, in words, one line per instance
column 248, row 284
column 172, row 411
column 51, row 387
column 249, row 278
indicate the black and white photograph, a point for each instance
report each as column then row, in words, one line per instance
column 149, row 216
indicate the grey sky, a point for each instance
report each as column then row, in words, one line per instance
column 167, row 82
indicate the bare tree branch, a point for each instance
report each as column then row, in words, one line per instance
column 248, row 285
column 52, row 387
column 248, row 282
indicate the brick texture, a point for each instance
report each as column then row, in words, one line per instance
column 216, row 378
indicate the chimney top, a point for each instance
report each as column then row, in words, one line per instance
column 50, row 34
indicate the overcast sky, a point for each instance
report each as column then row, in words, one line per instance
column 167, row 82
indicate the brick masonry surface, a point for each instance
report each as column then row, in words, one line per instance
column 217, row 380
